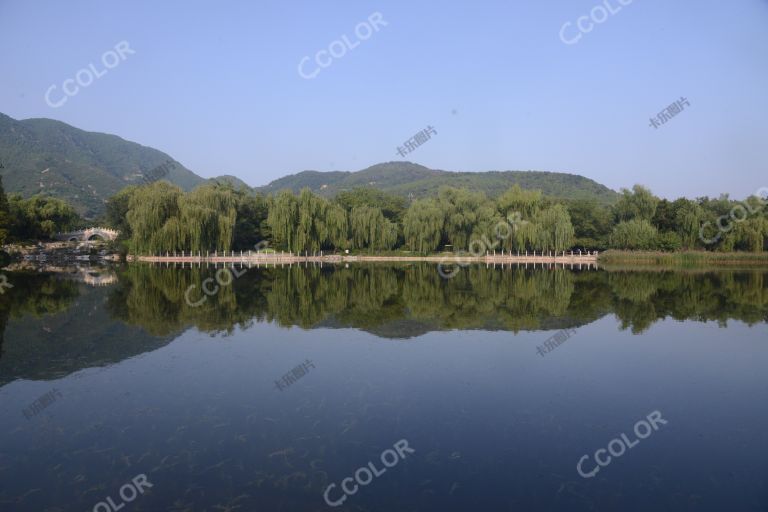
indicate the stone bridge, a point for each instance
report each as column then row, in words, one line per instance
column 88, row 234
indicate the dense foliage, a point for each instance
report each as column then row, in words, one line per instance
column 37, row 218
column 161, row 217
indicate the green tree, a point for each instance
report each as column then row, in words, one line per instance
column 689, row 217
column 634, row 234
column 392, row 207
column 206, row 218
column 4, row 214
column 466, row 215
column 591, row 223
column 40, row 217
column 117, row 211
column 251, row 225
column 639, row 203
column 282, row 219
column 554, row 229
column 517, row 200
column 370, row 229
column 153, row 216
column 423, row 225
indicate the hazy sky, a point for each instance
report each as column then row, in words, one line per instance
column 216, row 85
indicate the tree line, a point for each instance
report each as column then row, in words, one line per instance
column 161, row 217
column 39, row 217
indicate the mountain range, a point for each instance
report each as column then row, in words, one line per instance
column 86, row 168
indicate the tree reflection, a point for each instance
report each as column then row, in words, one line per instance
column 64, row 326
column 408, row 300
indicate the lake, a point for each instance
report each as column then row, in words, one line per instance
column 384, row 388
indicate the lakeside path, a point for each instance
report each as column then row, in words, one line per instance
column 289, row 258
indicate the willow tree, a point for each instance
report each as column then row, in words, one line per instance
column 749, row 234
column 282, row 218
column 467, row 215
column 336, row 225
column 370, row 229
column 517, row 234
column 526, row 203
column 207, row 218
column 489, row 225
column 554, row 231
column 633, row 234
column 519, row 208
column 307, row 222
column 149, row 211
column 319, row 222
column 688, row 220
column 423, row 225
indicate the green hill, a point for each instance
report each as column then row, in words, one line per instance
column 83, row 168
column 406, row 179
column 236, row 182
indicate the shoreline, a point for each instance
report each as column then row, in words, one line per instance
column 683, row 259
column 289, row 258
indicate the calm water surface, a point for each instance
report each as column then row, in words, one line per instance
column 140, row 383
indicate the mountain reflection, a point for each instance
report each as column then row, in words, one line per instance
column 51, row 326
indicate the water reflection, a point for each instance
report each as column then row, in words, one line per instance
column 494, row 425
column 145, row 308
column 407, row 301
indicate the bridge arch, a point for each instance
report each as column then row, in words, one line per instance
column 89, row 234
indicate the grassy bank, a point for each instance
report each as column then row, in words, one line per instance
column 687, row 259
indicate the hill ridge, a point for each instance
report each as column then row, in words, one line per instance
column 414, row 180
column 42, row 155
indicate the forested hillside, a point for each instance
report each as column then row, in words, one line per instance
column 44, row 156
column 416, row 181
column 52, row 158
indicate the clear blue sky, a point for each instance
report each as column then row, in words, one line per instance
column 216, row 85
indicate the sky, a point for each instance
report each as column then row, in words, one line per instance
column 506, row 85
